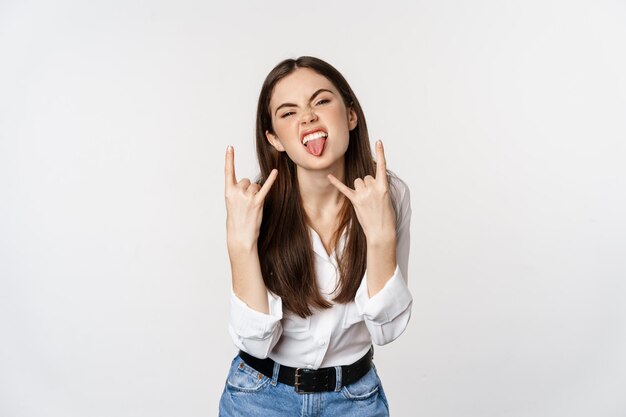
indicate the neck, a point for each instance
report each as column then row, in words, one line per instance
column 318, row 194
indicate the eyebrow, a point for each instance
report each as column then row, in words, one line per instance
column 321, row 90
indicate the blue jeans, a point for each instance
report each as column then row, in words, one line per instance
column 249, row 393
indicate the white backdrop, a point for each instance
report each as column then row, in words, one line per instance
column 506, row 119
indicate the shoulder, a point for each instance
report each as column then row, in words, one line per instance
column 400, row 196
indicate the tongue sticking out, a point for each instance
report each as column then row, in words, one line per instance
column 315, row 146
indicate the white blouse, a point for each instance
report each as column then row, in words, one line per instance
column 339, row 335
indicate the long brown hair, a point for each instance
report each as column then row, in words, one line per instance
column 284, row 245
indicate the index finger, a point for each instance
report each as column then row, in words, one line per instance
column 268, row 184
column 229, row 168
column 344, row 189
column 381, row 162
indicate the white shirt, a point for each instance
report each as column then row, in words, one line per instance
column 339, row 335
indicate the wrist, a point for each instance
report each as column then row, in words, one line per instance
column 241, row 248
column 381, row 241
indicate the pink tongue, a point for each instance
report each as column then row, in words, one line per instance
column 315, row 146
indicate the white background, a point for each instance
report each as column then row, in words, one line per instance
column 506, row 118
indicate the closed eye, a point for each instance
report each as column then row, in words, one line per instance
column 322, row 101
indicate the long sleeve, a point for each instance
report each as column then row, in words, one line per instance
column 387, row 313
column 252, row 331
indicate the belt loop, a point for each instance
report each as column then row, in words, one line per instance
column 338, row 377
column 275, row 374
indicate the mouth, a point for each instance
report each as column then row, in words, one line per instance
column 314, row 135
column 314, row 142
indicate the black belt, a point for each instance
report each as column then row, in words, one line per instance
column 306, row 380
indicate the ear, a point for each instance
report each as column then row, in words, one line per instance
column 352, row 118
column 274, row 141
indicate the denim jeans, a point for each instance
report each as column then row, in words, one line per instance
column 249, row 393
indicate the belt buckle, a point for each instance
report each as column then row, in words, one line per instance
column 297, row 384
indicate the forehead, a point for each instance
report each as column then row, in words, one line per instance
column 299, row 86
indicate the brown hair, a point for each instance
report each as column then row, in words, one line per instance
column 284, row 245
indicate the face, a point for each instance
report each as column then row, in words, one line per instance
column 306, row 101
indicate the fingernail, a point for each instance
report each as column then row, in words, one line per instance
column 228, row 148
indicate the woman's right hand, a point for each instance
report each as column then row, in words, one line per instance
column 244, row 206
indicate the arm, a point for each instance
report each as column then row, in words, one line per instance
column 383, row 299
column 254, row 313
column 372, row 204
column 247, row 280
column 381, row 263
column 387, row 313
column 252, row 331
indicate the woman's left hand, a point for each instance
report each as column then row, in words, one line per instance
column 372, row 202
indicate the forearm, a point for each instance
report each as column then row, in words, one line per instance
column 247, row 280
column 381, row 263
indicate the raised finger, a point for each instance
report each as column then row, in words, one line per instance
column 268, row 184
column 345, row 190
column 229, row 168
column 381, row 162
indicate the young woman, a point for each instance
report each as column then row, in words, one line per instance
column 319, row 250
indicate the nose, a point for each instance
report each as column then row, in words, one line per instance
column 308, row 115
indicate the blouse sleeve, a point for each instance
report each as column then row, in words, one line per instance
column 387, row 313
column 252, row 331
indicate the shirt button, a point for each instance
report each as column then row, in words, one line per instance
column 321, row 342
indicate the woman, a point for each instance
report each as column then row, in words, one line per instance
column 319, row 269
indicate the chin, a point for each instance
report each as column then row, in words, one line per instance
column 322, row 162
